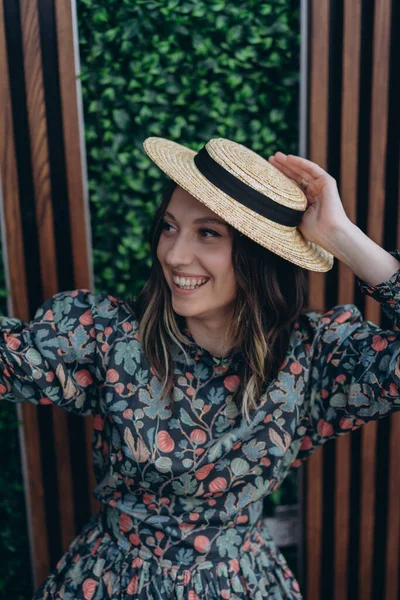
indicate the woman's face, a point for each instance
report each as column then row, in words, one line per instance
column 197, row 251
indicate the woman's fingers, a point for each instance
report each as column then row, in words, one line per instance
column 284, row 169
column 297, row 177
column 303, row 167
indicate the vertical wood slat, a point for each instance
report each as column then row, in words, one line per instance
column 393, row 514
column 348, row 191
column 16, row 280
column 44, row 216
column 376, row 211
column 77, row 195
column 39, row 146
column 319, row 55
column 79, row 213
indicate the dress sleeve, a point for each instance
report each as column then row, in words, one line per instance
column 354, row 374
column 60, row 356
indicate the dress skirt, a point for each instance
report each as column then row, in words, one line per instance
column 108, row 562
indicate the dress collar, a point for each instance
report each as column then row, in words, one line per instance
column 196, row 351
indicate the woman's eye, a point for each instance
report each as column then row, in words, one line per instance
column 165, row 224
column 204, row 232
column 213, row 233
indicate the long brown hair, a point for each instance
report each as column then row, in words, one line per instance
column 271, row 295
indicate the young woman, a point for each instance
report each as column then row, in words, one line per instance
column 214, row 383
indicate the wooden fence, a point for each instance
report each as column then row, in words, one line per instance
column 352, row 486
column 47, row 247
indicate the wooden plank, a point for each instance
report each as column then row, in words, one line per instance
column 44, row 216
column 342, row 516
column 12, row 226
column 348, row 191
column 319, row 91
column 319, row 88
column 39, row 147
column 376, row 207
column 67, row 45
column 14, row 262
column 393, row 514
column 76, row 172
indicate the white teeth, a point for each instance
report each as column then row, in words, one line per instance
column 189, row 283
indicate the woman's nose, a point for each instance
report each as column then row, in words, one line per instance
column 179, row 252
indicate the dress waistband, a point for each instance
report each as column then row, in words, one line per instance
column 177, row 543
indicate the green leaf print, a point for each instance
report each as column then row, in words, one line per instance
column 228, row 544
column 221, row 424
column 186, row 419
column 226, row 442
column 43, row 345
column 62, row 308
column 26, row 391
column 254, row 450
column 184, row 556
column 119, row 406
column 129, row 354
column 200, row 371
column 155, row 408
column 66, row 325
column 142, row 376
column 187, row 485
column 216, row 395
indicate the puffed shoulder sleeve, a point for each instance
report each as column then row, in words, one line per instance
column 60, row 356
column 354, row 373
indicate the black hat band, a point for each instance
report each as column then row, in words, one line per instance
column 243, row 193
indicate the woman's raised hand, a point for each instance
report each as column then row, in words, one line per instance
column 325, row 213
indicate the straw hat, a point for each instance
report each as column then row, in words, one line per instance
column 246, row 191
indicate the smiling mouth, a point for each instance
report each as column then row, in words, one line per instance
column 189, row 288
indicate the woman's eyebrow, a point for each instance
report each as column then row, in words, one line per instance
column 201, row 220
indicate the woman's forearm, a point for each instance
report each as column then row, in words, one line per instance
column 364, row 257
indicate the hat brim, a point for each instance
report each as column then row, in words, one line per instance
column 177, row 161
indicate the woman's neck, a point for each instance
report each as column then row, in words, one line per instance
column 210, row 336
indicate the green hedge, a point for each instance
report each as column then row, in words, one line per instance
column 187, row 71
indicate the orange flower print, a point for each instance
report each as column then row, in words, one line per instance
column 165, row 441
column 231, row 382
column 201, row 543
column 218, row 484
column 379, row 343
column 296, row 368
column 112, row 375
column 133, row 585
column 204, row 472
column 83, row 377
column 13, row 342
column 198, row 436
column 89, row 587
column 86, row 318
column 125, row 522
column 325, row 429
column 343, row 317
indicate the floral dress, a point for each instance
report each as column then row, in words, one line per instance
column 182, row 483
